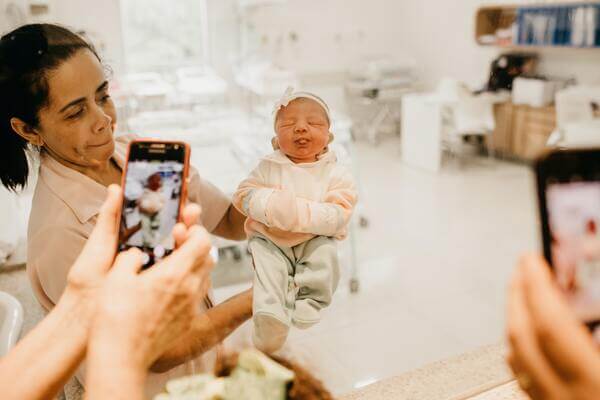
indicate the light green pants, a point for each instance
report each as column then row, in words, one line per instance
column 292, row 284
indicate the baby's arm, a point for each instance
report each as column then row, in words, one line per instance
column 252, row 196
column 325, row 218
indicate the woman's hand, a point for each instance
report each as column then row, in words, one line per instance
column 96, row 258
column 551, row 353
column 165, row 296
column 140, row 314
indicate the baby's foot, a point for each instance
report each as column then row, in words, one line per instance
column 269, row 333
column 306, row 313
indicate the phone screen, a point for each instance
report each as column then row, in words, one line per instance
column 152, row 194
column 573, row 209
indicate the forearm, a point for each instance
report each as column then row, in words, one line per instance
column 112, row 373
column 42, row 362
column 231, row 225
column 208, row 330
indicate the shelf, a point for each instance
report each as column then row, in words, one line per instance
column 534, row 27
column 490, row 19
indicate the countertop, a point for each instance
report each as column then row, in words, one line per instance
column 481, row 374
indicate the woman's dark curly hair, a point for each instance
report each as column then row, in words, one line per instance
column 304, row 386
column 27, row 55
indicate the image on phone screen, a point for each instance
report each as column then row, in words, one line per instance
column 574, row 223
column 151, row 203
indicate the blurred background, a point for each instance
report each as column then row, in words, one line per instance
column 439, row 107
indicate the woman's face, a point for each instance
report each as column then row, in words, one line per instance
column 78, row 123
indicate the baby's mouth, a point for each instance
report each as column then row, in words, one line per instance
column 301, row 142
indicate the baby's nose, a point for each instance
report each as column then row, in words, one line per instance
column 300, row 127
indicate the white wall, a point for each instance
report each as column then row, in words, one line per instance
column 224, row 38
column 445, row 45
column 335, row 34
column 102, row 19
column 438, row 34
column 331, row 34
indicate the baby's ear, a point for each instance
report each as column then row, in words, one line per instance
column 331, row 137
column 275, row 143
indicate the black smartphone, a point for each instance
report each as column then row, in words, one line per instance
column 568, row 185
column 154, row 191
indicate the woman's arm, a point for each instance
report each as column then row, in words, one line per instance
column 40, row 364
column 208, row 330
column 45, row 359
column 231, row 225
column 125, row 377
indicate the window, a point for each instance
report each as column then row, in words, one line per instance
column 160, row 34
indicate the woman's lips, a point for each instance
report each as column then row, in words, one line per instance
column 101, row 144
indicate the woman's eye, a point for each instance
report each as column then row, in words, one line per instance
column 105, row 98
column 76, row 115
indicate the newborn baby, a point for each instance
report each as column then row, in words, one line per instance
column 150, row 203
column 298, row 201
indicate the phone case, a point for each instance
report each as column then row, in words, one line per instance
column 185, row 174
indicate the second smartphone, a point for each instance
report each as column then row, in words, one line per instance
column 568, row 183
column 154, row 191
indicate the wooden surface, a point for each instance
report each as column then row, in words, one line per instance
column 522, row 131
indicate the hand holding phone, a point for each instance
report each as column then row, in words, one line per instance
column 568, row 183
column 154, row 191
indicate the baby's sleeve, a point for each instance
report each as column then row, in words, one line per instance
column 330, row 216
column 252, row 196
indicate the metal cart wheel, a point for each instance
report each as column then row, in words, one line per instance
column 363, row 221
column 237, row 253
column 354, row 285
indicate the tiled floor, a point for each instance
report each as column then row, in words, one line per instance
column 434, row 263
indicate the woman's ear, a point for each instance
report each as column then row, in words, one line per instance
column 275, row 143
column 25, row 130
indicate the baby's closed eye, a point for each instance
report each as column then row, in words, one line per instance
column 286, row 123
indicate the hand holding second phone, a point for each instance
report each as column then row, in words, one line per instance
column 551, row 353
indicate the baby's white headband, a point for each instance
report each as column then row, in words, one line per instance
column 289, row 95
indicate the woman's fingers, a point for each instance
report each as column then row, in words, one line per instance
column 191, row 256
column 107, row 226
column 527, row 361
column 99, row 250
column 190, row 214
column 128, row 262
column 179, row 234
column 195, row 252
column 563, row 339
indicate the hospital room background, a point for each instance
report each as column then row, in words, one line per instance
column 439, row 108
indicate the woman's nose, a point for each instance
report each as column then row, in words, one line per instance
column 102, row 122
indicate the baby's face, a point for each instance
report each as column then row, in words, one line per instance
column 302, row 130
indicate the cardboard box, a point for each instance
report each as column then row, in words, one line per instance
column 532, row 126
column 502, row 138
